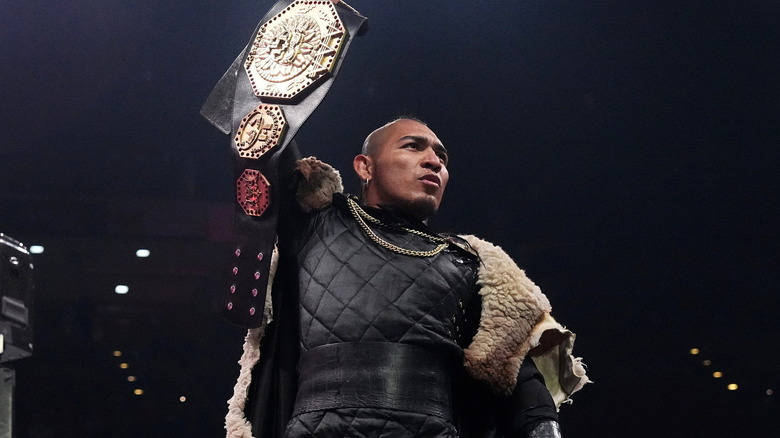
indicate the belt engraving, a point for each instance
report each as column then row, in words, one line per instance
column 252, row 192
column 260, row 131
column 295, row 49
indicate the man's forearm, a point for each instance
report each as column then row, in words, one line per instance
column 531, row 411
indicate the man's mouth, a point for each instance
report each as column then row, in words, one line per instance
column 431, row 179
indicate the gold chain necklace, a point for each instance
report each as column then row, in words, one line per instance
column 361, row 217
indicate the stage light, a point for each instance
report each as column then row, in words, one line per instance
column 124, row 365
column 706, row 362
column 36, row 249
column 143, row 253
column 138, row 392
column 131, row 378
column 117, row 353
column 717, row 374
column 182, row 399
column 121, row 289
column 694, row 351
column 732, row 387
column 769, row 392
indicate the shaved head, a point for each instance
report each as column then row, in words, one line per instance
column 379, row 135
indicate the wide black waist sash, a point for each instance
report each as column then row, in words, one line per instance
column 374, row 375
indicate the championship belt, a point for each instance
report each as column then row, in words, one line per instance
column 268, row 92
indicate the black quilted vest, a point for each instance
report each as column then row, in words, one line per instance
column 353, row 290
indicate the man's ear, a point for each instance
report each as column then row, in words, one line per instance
column 363, row 167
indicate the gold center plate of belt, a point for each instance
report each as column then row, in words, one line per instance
column 295, row 49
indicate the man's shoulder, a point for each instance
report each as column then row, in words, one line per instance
column 478, row 244
column 459, row 242
column 486, row 251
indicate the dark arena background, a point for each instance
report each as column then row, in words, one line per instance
column 625, row 153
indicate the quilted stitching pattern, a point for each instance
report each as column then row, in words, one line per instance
column 353, row 290
column 368, row 423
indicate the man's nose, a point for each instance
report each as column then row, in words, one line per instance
column 431, row 160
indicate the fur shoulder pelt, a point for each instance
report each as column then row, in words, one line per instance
column 319, row 181
column 516, row 321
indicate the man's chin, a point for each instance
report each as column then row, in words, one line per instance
column 423, row 208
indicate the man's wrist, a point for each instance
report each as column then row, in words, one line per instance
column 546, row 429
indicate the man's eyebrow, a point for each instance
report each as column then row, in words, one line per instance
column 426, row 140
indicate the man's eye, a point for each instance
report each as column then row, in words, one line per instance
column 411, row 145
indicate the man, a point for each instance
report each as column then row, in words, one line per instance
column 382, row 327
column 403, row 165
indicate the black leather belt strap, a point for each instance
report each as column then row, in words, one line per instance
column 374, row 375
column 231, row 100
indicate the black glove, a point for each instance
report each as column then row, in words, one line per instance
column 546, row 429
